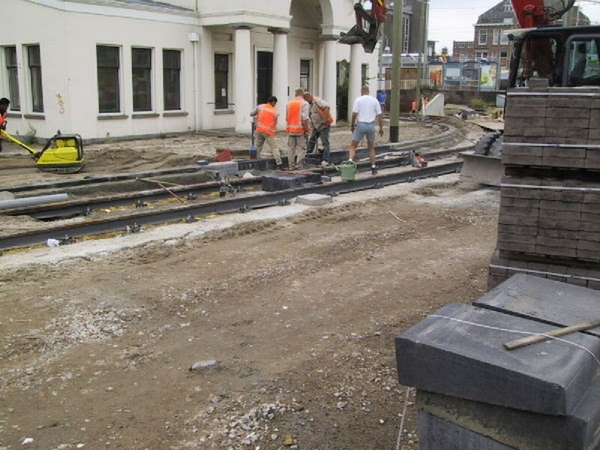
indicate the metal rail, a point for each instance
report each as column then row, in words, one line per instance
column 336, row 156
column 142, row 218
column 85, row 207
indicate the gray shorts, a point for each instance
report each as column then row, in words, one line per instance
column 364, row 129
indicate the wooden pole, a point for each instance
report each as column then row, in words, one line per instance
column 512, row 345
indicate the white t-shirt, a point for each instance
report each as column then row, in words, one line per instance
column 367, row 108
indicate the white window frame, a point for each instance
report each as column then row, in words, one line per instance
column 308, row 87
column 181, row 75
column 482, row 36
column 120, row 82
column 152, row 70
column 30, row 80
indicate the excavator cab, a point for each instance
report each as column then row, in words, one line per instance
column 368, row 24
column 564, row 56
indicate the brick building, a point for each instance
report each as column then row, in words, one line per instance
column 463, row 50
column 490, row 39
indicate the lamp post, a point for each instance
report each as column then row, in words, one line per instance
column 421, row 50
column 397, row 46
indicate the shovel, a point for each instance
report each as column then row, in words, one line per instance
column 253, row 150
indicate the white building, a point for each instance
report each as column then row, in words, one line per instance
column 119, row 68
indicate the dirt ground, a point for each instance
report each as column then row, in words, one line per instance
column 287, row 314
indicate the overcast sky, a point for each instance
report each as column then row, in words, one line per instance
column 453, row 20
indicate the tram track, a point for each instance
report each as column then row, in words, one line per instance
column 86, row 207
column 142, row 217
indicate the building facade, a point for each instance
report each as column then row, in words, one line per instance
column 491, row 39
column 120, row 68
column 463, row 50
column 413, row 26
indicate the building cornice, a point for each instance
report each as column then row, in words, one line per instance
column 256, row 19
column 124, row 10
column 506, row 25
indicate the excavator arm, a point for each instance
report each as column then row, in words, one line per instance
column 535, row 13
column 368, row 23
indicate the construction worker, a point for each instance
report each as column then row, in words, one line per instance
column 321, row 120
column 298, row 128
column 413, row 107
column 365, row 111
column 382, row 98
column 4, row 103
column 266, row 128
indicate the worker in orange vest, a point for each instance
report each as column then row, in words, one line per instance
column 4, row 102
column 413, row 107
column 266, row 128
column 298, row 128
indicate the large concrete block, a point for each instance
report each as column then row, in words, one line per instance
column 313, row 199
column 282, row 181
column 436, row 433
column 552, row 302
column 222, row 169
column 520, row 429
column 459, row 351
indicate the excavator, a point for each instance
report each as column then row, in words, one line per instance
column 546, row 52
column 368, row 25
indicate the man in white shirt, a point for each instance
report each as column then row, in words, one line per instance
column 365, row 111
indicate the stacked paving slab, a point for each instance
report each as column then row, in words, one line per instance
column 473, row 394
column 549, row 222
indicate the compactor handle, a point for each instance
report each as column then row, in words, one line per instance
column 33, row 152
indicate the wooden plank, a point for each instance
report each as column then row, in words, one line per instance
column 512, row 345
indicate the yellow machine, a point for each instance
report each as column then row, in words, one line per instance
column 62, row 153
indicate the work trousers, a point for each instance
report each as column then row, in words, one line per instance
column 313, row 143
column 296, row 150
column 261, row 138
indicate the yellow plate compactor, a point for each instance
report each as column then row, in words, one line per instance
column 62, row 153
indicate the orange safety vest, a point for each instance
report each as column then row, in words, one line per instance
column 328, row 118
column 266, row 121
column 2, row 122
column 294, row 116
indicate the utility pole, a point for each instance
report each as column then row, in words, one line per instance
column 397, row 47
column 422, row 46
column 380, row 76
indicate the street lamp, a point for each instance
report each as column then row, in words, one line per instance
column 397, row 45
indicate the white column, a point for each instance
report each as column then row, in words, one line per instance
column 243, row 86
column 329, row 75
column 280, row 73
column 355, row 76
column 206, row 75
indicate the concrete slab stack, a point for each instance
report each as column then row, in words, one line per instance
column 549, row 223
column 472, row 393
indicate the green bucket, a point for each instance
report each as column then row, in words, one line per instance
column 347, row 170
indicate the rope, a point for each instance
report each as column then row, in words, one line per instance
column 489, row 327
column 399, row 442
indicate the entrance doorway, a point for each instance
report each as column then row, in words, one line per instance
column 264, row 79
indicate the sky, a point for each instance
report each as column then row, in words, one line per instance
column 453, row 20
